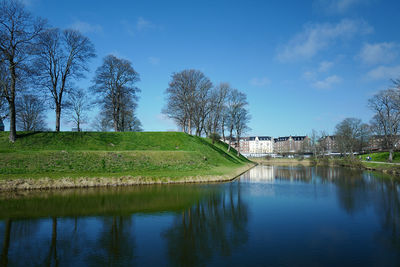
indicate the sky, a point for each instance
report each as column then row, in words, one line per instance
column 303, row 64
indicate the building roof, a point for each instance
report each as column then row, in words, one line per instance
column 265, row 138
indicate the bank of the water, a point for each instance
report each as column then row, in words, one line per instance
column 355, row 163
column 91, row 159
column 283, row 161
column 217, row 174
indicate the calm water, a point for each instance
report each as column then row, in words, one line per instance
column 271, row 216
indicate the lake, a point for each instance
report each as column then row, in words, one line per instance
column 270, row 216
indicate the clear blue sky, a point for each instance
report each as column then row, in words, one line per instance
column 303, row 64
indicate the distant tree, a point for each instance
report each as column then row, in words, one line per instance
column 101, row 124
column 132, row 123
column 386, row 120
column 114, row 83
column 314, row 142
column 218, row 100
column 30, row 113
column 241, row 120
column 62, row 56
column 188, row 100
column 235, row 103
column 78, row 105
column 18, row 33
column 323, row 144
column 351, row 135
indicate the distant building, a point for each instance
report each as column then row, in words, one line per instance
column 328, row 144
column 244, row 145
column 377, row 143
column 260, row 145
column 291, row 145
column 1, row 125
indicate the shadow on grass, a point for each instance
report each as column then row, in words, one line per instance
column 26, row 134
column 223, row 153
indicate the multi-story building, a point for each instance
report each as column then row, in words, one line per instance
column 291, row 144
column 265, row 145
column 328, row 144
column 244, row 145
column 260, row 145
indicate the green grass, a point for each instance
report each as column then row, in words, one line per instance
column 94, row 154
column 382, row 156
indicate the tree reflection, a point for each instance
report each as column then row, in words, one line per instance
column 6, row 244
column 357, row 190
column 352, row 189
column 115, row 245
column 390, row 212
column 214, row 225
column 52, row 259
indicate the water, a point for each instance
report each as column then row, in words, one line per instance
column 271, row 216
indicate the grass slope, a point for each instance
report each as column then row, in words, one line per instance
column 94, row 154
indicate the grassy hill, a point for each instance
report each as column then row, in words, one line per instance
column 94, row 154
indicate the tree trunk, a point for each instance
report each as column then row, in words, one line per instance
column 238, row 148
column 223, row 130
column 13, row 128
column 390, row 155
column 58, row 116
column 230, row 140
column 11, row 102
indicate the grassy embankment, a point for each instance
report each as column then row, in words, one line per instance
column 379, row 162
column 71, row 159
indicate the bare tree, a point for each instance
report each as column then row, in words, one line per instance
column 386, row 120
column 314, row 142
column 78, row 105
column 351, row 135
column 18, row 31
column 236, row 101
column 242, row 118
column 101, row 123
column 30, row 113
column 114, row 83
column 62, row 57
column 218, row 100
column 188, row 100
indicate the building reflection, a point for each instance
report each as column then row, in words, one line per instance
column 259, row 174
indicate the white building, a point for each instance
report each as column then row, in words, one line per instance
column 261, row 145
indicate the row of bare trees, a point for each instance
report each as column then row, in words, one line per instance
column 41, row 64
column 200, row 108
column 386, row 120
column 352, row 135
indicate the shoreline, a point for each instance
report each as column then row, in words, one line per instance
column 46, row 183
column 283, row 162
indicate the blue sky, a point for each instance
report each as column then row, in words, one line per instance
column 303, row 64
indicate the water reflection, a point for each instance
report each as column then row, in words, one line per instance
column 313, row 216
column 217, row 225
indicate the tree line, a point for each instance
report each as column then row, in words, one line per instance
column 352, row 135
column 39, row 68
column 198, row 107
